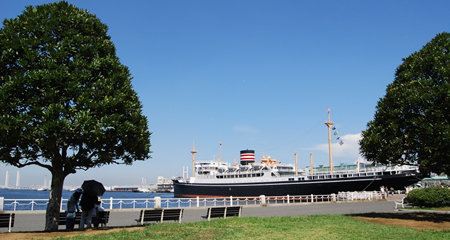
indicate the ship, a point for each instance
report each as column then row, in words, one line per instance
column 164, row 185
column 271, row 178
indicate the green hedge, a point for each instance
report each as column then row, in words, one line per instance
column 430, row 197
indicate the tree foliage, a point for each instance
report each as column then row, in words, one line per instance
column 411, row 122
column 66, row 101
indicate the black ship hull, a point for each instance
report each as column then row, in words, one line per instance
column 294, row 187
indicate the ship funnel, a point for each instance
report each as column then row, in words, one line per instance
column 247, row 157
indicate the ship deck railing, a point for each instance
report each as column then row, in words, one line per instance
column 379, row 170
column 144, row 203
column 338, row 173
column 285, row 177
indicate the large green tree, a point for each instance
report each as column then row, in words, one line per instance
column 66, row 101
column 411, row 122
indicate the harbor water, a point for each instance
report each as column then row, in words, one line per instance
column 124, row 199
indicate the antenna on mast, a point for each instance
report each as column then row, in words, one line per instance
column 220, row 156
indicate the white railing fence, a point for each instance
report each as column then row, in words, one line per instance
column 358, row 196
column 139, row 203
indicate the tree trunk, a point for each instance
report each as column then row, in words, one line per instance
column 54, row 202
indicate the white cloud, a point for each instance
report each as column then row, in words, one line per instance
column 245, row 129
column 350, row 148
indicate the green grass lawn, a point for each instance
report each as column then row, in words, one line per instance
column 301, row 227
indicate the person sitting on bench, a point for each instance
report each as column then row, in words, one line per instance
column 95, row 214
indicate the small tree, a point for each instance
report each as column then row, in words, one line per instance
column 66, row 102
column 411, row 123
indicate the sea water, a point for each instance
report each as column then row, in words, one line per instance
column 120, row 199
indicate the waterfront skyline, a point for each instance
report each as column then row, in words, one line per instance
column 256, row 75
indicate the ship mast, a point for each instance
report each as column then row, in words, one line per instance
column 193, row 159
column 296, row 164
column 329, row 124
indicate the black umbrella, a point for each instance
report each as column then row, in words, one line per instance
column 93, row 187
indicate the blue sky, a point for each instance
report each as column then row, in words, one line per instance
column 254, row 75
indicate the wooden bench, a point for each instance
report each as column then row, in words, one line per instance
column 103, row 220
column 63, row 218
column 400, row 203
column 223, row 212
column 7, row 220
column 160, row 215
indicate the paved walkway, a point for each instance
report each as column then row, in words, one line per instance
column 35, row 221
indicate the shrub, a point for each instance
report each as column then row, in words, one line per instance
column 430, row 197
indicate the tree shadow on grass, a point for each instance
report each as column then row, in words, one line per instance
column 416, row 216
